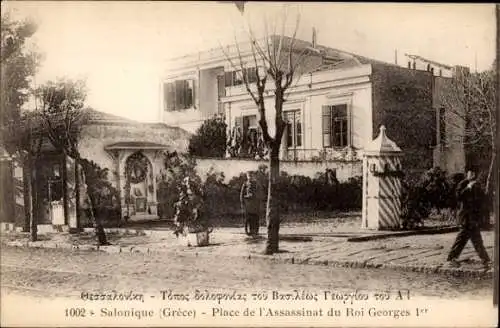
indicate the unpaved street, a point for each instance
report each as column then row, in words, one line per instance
column 64, row 273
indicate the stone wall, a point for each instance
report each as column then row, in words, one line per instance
column 234, row 167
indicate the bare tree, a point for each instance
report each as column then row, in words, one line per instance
column 63, row 115
column 277, row 61
column 471, row 100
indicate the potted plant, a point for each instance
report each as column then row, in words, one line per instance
column 191, row 224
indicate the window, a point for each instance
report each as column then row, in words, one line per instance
column 178, row 95
column 335, row 126
column 442, row 126
column 250, row 134
column 235, row 78
column 293, row 129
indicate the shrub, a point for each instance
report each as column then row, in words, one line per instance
column 189, row 216
column 210, row 139
column 105, row 197
column 295, row 192
column 176, row 168
column 434, row 189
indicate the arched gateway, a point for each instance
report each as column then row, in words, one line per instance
column 138, row 164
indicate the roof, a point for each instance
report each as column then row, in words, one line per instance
column 90, row 116
column 382, row 144
column 136, row 145
column 429, row 61
column 96, row 116
column 333, row 58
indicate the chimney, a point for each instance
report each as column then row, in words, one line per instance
column 314, row 38
column 396, row 56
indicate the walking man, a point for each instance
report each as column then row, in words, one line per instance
column 470, row 197
column 250, row 204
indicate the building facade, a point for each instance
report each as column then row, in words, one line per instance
column 333, row 110
column 132, row 155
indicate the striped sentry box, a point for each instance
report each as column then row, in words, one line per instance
column 389, row 195
column 381, row 187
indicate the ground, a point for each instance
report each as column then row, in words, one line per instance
column 64, row 273
column 53, row 272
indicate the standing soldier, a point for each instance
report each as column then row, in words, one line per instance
column 250, row 203
column 471, row 197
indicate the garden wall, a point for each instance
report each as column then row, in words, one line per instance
column 234, row 167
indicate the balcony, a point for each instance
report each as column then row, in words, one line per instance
column 252, row 146
column 321, row 155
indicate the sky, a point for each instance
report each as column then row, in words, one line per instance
column 121, row 48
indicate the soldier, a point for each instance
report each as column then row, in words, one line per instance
column 250, row 203
column 470, row 197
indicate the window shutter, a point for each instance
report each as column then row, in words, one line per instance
column 221, row 86
column 166, row 96
column 326, row 126
column 170, row 96
column 179, row 94
column 298, row 130
column 191, row 87
column 228, row 79
column 252, row 75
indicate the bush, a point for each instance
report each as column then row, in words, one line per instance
column 176, row 168
column 189, row 214
column 434, row 189
column 295, row 193
column 105, row 197
column 210, row 139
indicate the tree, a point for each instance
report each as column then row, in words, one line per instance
column 210, row 138
column 279, row 60
column 471, row 99
column 63, row 115
column 18, row 66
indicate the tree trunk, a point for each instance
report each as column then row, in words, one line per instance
column 272, row 211
column 77, row 195
column 35, row 208
column 99, row 229
column 28, row 193
column 65, row 190
column 491, row 167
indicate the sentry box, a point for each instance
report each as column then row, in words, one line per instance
column 382, row 182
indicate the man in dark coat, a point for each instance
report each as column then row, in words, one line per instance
column 251, row 204
column 470, row 196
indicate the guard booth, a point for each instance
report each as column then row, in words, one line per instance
column 382, row 184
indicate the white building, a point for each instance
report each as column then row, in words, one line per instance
column 332, row 111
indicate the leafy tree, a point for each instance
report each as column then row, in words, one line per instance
column 18, row 66
column 210, row 138
column 63, row 115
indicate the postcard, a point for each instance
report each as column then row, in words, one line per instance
column 238, row 163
